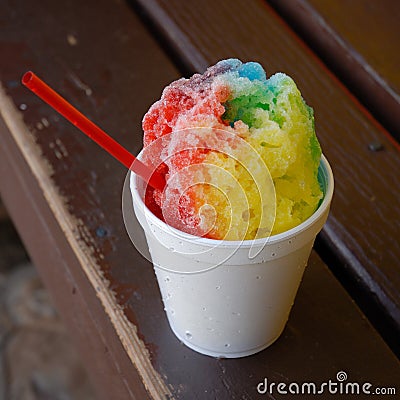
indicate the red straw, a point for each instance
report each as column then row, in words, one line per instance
column 53, row 99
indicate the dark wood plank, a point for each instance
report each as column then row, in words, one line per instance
column 70, row 189
column 358, row 40
column 110, row 369
column 363, row 227
column 65, row 196
column 3, row 212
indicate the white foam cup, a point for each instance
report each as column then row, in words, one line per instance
column 229, row 298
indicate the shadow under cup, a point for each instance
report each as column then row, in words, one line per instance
column 229, row 298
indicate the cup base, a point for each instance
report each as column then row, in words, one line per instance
column 226, row 354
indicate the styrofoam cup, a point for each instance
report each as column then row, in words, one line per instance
column 226, row 298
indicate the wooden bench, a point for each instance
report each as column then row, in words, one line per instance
column 358, row 41
column 112, row 60
column 369, row 67
column 362, row 246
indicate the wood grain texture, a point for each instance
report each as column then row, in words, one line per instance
column 365, row 218
column 64, row 193
column 60, row 270
column 70, row 192
column 358, row 40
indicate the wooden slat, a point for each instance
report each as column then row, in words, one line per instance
column 358, row 39
column 365, row 217
column 110, row 369
column 64, row 194
column 3, row 212
column 61, row 188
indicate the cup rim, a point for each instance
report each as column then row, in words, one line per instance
column 249, row 242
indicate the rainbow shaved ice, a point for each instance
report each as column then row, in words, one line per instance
column 270, row 115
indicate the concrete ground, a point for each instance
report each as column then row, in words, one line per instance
column 38, row 360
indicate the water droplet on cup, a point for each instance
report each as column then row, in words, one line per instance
column 167, row 279
column 236, row 313
column 172, row 312
column 227, row 345
column 218, row 287
column 258, row 277
column 204, row 309
column 273, row 254
column 188, row 335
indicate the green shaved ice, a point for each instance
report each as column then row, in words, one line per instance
column 281, row 128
